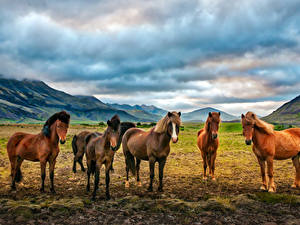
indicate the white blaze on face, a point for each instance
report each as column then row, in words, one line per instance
column 174, row 135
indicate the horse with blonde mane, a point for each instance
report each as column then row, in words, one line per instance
column 208, row 143
column 269, row 144
column 152, row 146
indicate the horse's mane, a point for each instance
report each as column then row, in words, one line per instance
column 125, row 126
column 115, row 122
column 266, row 127
column 63, row 116
column 162, row 125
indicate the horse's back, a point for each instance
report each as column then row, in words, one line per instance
column 15, row 140
column 134, row 140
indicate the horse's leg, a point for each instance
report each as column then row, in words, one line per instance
column 271, row 185
column 97, row 176
column 17, row 168
column 51, row 174
column 127, row 175
column 107, row 179
column 111, row 166
column 88, row 175
column 212, row 165
column 162, row 163
column 151, row 167
column 74, row 165
column 138, row 162
column 13, row 164
column 204, row 157
column 297, row 167
column 81, row 164
column 43, row 174
column 262, row 165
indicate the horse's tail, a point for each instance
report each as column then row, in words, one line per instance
column 129, row 158
column 19, row 176
column 93, row 167
column 74, row 146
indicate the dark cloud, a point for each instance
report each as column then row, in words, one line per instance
column 129, row 47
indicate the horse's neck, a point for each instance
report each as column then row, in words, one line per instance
column 53, row 134
column 208, row 131
column 256, row 136
column 164, row 139
column 106, row 140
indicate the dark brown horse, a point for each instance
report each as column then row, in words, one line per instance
column 99, row 151
column 42, row 147
column 269, row 144
column 208, row 143
column 153, row 146
column 79, row 143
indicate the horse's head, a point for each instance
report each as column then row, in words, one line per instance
column 248, row 122
column 213, row 121
column 113, row 131
column 62, row 129
column 173, row 125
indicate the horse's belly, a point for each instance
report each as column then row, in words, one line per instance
column 138, row 149
column 285, row 152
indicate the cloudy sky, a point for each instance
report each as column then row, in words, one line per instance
column 179, row 55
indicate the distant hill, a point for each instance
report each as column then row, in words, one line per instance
column 34, row 101
column 150, row 109
column 201, row 115
column 288, row 113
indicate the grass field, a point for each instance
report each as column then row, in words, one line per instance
column 234, row 198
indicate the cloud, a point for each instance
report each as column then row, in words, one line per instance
column 205, row 52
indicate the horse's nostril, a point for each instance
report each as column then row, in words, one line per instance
column 62, row 141
column 215, row 136
column 248, row 142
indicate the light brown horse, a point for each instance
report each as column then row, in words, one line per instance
column 153, row 146
column 208, row 143
column 269, row 144
column 100, row 150
column 42, row 147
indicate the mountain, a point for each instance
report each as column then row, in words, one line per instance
column 288, row 113
column 35, row 101
column 150, row 109
column 201, row 115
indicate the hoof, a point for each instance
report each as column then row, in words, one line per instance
column 213, row 179
column 139, row 184
column 83, row 170
column 160, row 189
column 150, row 189
column 126, row 184
column 52, row 191
column 107, row 197
column 295, row 185
column 74, row 171
column 87, row 188
column 263, row 187
column 204, row 178
column 42, row 190
column 272, row 189
column 112, row 170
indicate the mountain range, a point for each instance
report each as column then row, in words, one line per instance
column 34, row 101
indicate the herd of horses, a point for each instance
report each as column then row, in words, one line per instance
column 152, row 145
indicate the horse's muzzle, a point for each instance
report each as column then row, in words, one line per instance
column 248, row 142
column 62, row 141
column 174, row 140
column 113, row 148
column 214, row 136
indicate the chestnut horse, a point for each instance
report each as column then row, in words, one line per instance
column 269, row 144
column 153, row 146
column 100, row 150
column 79, row 143
column 208, row 143
column 42, row 147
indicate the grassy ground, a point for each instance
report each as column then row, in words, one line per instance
column 234, row 198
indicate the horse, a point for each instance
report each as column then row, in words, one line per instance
column 208, row 143
column 269, row 144
column 80, row 141
column 152, row 146
column 78, row 146
column 100, row 150
column 42, row 147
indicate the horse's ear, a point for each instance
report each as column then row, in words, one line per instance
column 108, row 122
column 179, row 114
column 219, row 113
column 210, row 115
column 169, row 114
column 243, row 116
column 253, row 116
